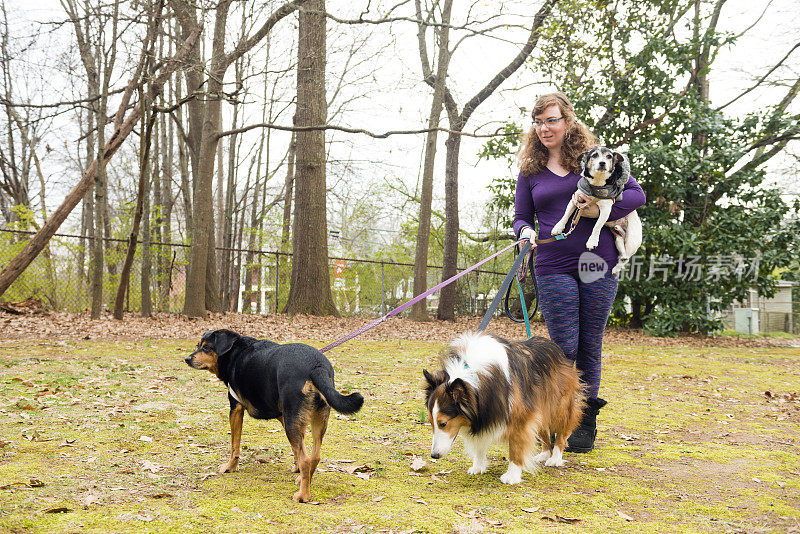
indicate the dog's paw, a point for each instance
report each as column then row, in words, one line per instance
column 299, row 497
column 592, row 242
column 555, row 462
column 558, row 229
column 476, row 470
column 228, row 467
column 541, row 457
column 511, row 477
column 617, row 268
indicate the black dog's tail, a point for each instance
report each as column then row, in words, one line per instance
column 341, row 403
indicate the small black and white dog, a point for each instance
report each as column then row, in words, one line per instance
column 604, row 174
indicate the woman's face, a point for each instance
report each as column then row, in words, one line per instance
column 550, row 126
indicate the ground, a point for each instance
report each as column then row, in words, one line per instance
column 106, row 429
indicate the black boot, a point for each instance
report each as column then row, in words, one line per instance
column 582, row 440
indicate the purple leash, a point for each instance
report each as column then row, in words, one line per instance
column 413, row 301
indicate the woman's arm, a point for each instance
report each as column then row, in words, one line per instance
column 632, row 198
column 523, row 205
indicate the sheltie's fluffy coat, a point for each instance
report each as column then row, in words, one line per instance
column 494, row 390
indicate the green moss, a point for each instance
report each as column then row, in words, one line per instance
column 684, row 435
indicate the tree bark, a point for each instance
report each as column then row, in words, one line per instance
column 419, row 311
column 310, row 289
column 147, row 235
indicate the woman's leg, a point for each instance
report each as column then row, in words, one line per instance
column 596, row 299
column 560, row 305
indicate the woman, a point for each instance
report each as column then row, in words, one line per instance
column 575, row 304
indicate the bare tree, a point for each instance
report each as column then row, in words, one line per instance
column 458, row 121
column 123, row 126
column 201, row 280
column 438, row 80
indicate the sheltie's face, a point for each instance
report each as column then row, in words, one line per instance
column 450, row 405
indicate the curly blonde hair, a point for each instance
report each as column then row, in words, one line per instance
column 533, row 155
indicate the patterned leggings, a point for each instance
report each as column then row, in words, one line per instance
column 576, row 314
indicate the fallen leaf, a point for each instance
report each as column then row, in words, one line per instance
column 35, row 483
column 57, row 510
column 353, row 469
column 89, row 500
column 145, row 438
column 531, row 510
column 379, row 498
column 559, row 519
column 418, row 464
column 153, row 467
column 624, row 516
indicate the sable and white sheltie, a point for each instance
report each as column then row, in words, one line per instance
column 498, row 390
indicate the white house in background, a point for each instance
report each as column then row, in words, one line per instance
column 761, row 314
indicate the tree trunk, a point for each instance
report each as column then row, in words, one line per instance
column 419, row 311
column 142, row 191
column 183, row 165
column 201, row 279
column 310, row 289
column 99, row 217
column 147, row 237
column 288, row 194
column 447, row 295
column 202, row 291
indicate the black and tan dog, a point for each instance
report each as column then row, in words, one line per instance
column 292, row 383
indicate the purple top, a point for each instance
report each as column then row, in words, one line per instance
column 545, row 195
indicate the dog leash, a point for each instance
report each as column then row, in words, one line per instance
column 575, row 218
column 437, row 287
column 504, row 286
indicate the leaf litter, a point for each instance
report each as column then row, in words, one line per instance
column 98, row 411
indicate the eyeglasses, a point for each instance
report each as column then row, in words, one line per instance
column 552, row 121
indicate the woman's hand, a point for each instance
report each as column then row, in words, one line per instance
column 527, row 233
column 591, row 211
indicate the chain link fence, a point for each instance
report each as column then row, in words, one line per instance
column 255, row 281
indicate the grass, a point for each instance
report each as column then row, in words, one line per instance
column 124, row 437
column 783, row 335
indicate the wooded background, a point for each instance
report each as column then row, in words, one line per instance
column 255, row 130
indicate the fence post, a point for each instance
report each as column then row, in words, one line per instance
column 383, row 306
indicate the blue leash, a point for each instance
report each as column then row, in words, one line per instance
column 504, row 287
column 524, row 308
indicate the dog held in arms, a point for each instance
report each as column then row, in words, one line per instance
column 604, row 174
column 292, row 383
column 491, row 390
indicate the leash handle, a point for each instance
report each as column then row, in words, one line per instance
column 421, row 296
column 504, row 286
